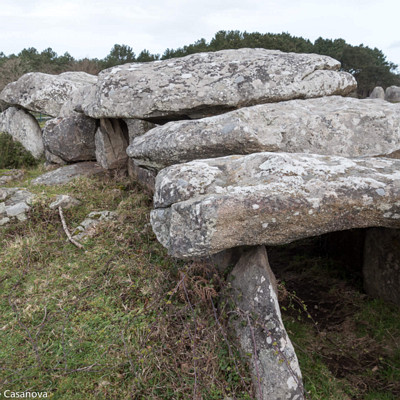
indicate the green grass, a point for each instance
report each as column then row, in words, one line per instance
column 105, row 322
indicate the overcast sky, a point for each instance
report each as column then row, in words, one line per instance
column 89, row 28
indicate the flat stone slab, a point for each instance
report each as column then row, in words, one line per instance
column 24, row 128
column 65, row 174
column 88, row 226
column 206, row 206
column 45, row 93
column 14, row 204
column 10, row 176
column 331, row 125
column 206, row 84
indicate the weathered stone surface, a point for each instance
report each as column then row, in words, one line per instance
column 392, row 94
column 65, row 174
column 377, row 93
column 14, row 204
column 73, row 105
column 10, row 176
column 45, row 93
column 71, row 138
column 204, row 207
column 145, row 177
column 3, row 106
column 111, row 142
column 24, row 128
column 88, row 226
column 381, row 269
column 259, row 328
column 137, row 127
column 330, row 125
column 53, row 159
column 64, row 201
column 207, row 83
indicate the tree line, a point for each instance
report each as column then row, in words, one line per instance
column 369, row 66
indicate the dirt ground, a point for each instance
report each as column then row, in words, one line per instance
column 321, row 285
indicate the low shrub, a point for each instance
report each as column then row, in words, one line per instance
column 13, row 154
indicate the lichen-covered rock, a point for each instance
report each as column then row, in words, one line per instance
column 10, row 176
column 377, row 93
column 65, row 174
column 145, row 177
column 204, row 84
column 258, row 325
column 64, row 201
column 24, row 128
column 392, row 94
column 206, row 206
column 71, row 138
column 88, row 226
column 331, row 125
column 14, row 204
column 44, row 93
column 381, row 270
column 111, row 141
column 137, row 127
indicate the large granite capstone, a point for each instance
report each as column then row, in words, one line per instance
column 45, row 93
column 332, row 125
column 206, row 206
column 204, row 84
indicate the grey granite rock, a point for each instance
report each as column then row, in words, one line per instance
column 65, row 201
column 111, row 141
column 10, row 176
column 71, row 138
column 45, row 93
column 331, row 125
column 381, row 270
column 204, row 207
column 14, row 204
column 258, row 325
column 377, row 93
column 392, row 94
column 88, row 226
column 205, row 84
column 65, row 174
column 24, row 128
column 137, row 127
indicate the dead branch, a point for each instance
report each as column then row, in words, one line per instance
column 64, row 224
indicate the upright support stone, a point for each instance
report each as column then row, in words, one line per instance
column 111, row 141
column 381, row 269
column 24, row 128
column 259, row 327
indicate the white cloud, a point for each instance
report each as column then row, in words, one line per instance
column 91, row 27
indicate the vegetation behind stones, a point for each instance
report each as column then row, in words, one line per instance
column 369, row 66
column 13, row 154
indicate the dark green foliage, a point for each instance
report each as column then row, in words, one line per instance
column 13, row 154
column 368, row 66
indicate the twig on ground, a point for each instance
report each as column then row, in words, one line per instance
column 64, row 224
